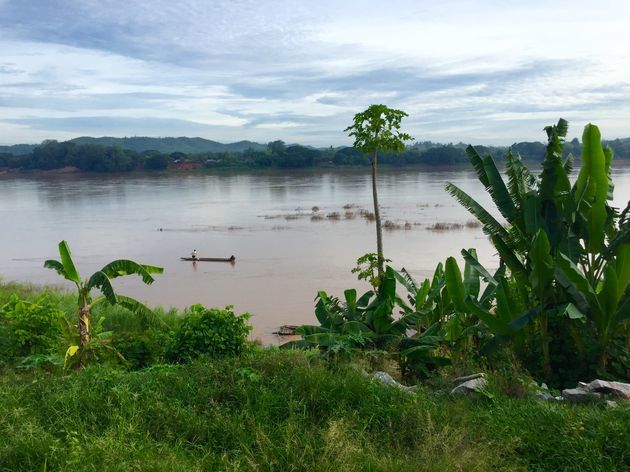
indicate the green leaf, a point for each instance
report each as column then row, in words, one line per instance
column 101, row 281
column 573, row 312
column 471, row 275
column 623, row 268
column 490, row 225
column 623, row 309
column 542, row 267
column 307, row 330
column 68, row 264
column 496, row 325
column 510, row 258
column 454, row 283
column 122, row 267
column 471, row 258
column 57, row 267
column 134, row 306
column 524, row 319
column 356, row 327
column 607, row 297
column 577, row 286
column 381, row 317
column 593, row 181
column 498, row 191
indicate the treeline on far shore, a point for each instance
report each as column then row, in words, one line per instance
column 50, row 155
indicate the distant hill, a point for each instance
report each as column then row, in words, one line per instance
column 169, row 145
column 18, row 149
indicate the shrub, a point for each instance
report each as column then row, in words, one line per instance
column 28, row 328
column 213, row 331
column 138, row 350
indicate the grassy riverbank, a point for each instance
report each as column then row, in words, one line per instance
column 276, row 410
column 269, row 409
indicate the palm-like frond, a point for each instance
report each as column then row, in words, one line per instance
column 568, row 164
column 123, row 267
column 490, row 224
column 520, row 179
column 101, row 281
column 57, row 267
column 477, row 162
column 134, row 305
column 498, row 191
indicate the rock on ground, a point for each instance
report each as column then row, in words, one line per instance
column 618, row 389
column 474, row 385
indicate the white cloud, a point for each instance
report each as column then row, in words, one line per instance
column 484, row 72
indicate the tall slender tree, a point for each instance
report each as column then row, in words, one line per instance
column 378, row 129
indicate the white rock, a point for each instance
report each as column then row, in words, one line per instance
column 387, row 379
column 579, row 395
column 474, row 385
column 618, row 389
column 544, row 396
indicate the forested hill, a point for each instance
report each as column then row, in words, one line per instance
column 100, row 155
column 170, row 145
column 18, row 149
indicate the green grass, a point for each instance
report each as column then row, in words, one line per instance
column 281, row 410
column 274, row 410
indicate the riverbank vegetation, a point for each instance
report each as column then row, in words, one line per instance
column 169, row 390
column 148, row 154
column 559, row 304
column 265, row 409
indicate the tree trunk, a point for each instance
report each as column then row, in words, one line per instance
column 377, row 217
column 84, row 324
column 545, row 345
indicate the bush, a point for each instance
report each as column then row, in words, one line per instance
column 209, row 331
column 29, row 328
column 138, row 350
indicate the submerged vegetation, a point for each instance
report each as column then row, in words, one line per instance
column 169, row 390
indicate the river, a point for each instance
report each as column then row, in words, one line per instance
column 284, row 255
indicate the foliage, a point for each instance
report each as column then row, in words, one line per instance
column 213, row 331
column 367, row 269
column 100, row 280
column 29, row 328
column 284, row 410
column 378, row 129
column 370, row 323
column 565, row 248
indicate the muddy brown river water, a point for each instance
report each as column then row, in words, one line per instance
column 284, row 254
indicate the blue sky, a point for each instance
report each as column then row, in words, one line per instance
column 482, row 72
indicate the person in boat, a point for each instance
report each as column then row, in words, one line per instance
column 194, row 255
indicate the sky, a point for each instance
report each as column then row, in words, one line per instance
column 482, row 72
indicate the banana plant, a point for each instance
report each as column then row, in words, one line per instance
column 370, row 322
column 441, row 300
column 371, row 315
column 549, row 223
column 100, row 280
column 605, row 300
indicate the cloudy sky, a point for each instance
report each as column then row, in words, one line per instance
column 481, row 72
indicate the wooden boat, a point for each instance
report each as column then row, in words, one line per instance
column 286, row 330
column 209, row 259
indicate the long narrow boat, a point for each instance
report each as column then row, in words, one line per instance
column 209, row 259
